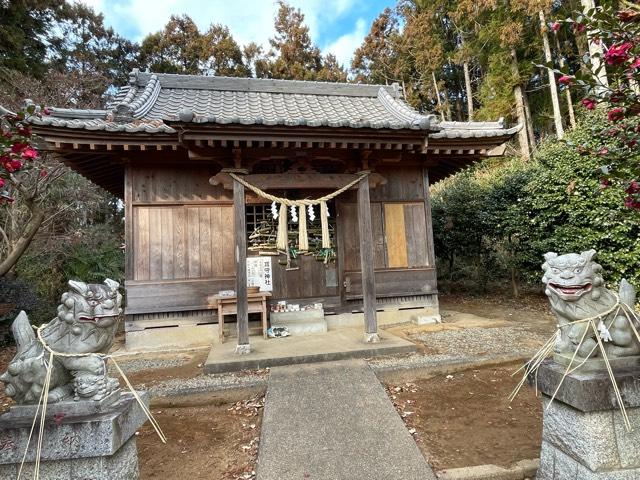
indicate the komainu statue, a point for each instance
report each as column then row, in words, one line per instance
column 86, row 323
column 576, row 290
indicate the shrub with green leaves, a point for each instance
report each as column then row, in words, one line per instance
column 505, row 215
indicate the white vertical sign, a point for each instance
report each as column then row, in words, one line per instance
column 259, row 273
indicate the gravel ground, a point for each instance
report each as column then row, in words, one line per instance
column 207, row 383
column 138, row 365
column 482, row 341
column 468, row 345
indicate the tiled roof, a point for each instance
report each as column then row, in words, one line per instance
column 150, row 103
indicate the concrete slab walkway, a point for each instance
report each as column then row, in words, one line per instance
column 334, row 345
column 334, row 421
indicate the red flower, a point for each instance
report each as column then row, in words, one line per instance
column 604, row 183
column 615, row 114
column 565, row 80
column 578, row 27
column 632, row 202
column 618, row 54
column 29, row 153
column 555, row 26
column 1, row 182
column 634, row 187
column 43, row 173
column 15, row 165
column 588, row 103
column 18, row 147
column 635, row 63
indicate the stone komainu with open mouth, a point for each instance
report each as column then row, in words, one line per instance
column 86, row 323
column 576, row 292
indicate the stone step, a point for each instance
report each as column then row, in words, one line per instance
column 300, row 323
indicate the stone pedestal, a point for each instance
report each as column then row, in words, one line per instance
column 304, row 322
column 584, row 436
column 97, row 444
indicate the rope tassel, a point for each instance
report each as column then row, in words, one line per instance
column 324, row 222
column 282, row 239
column 303, row 239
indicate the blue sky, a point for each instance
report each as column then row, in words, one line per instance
column 337, row 26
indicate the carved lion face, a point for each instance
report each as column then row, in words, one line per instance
column 96, row 303
column 572, row 275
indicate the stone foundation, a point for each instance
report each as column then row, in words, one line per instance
column 76, row 446
column 584, row 436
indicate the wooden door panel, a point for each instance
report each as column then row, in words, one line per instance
column 395, row 234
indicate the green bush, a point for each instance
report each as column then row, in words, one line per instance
column 91, row 255
column 502, row 216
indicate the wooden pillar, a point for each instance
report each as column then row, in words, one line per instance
column 366, row 262
column 240, row 227
column 431, row 254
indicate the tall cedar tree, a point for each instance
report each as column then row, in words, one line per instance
column 293, row 56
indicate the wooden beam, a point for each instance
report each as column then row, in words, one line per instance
column 243, row 346
column 366, row 262
column 287, row 180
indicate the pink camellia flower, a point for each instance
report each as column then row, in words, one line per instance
column 635, row 63
column 555, row 26
column 604, row 183
column 634, row 187
column 1, row 182
column 578, row 27
column 615, row 114
column 588, row 103
column 43, row 173
column 603, row 151
column 618, row 54
column 565, row 80
column 15, row 165
column 632, row 202
column 29, row 153
column 18, row 147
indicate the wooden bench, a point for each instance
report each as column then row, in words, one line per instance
column 228, row 306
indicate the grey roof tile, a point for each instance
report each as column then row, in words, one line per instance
column 150, row 100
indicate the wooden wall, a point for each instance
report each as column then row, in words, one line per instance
column 402, row 237
column 180, row 242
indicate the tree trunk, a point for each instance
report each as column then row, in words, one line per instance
column 23, row 242
column 435, row 85
column 467, row 84
column 567, row 91
column 520, row 112
column 557, row 113
column 529, row 117
column 514, row 283
column 594, row 50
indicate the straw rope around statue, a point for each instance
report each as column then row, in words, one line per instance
column 282, row 237
column 41, row 408
column 600, row 330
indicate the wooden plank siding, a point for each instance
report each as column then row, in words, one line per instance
column 180, row 241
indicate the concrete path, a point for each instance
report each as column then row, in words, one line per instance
column 334, row 421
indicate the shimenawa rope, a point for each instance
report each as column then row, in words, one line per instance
column 531, row 367
column 44, row 398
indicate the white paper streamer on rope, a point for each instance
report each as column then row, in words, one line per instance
column 274, row 210
column 312, row 214
column 294, row 214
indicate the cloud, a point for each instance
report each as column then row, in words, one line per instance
column 248, row 20
column 344, row 46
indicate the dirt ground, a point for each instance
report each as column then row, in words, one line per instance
column 213, row 441
column 529, row 307
column 465, row 419
column 6, row 354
